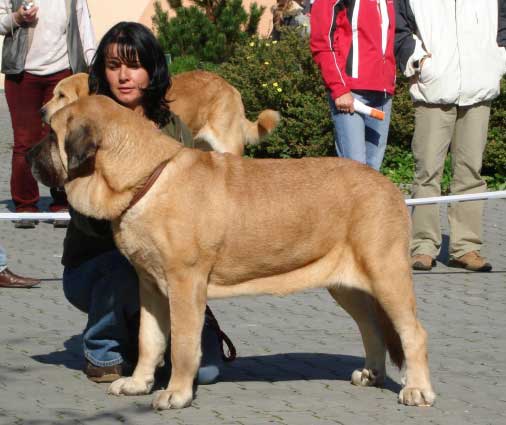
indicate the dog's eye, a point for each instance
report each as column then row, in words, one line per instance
column 61, row 96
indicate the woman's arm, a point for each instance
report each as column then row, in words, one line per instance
column 90, row 226
column 10, row 20
column 7, row 21
column 323, row 38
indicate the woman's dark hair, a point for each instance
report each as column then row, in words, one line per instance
column 136, row 44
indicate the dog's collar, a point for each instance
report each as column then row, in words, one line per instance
column 149, row 182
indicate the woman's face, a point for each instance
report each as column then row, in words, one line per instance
column 126, row 80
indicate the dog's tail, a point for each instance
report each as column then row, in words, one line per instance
column 267, row 121
column 390, row 336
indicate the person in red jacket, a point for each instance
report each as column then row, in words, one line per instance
column 352, row 42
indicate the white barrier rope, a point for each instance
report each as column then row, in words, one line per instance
column 34, row 216
column 456, row 198
column 409, row 202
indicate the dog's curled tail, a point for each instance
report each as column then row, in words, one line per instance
column 267, row 121
column 390, row 336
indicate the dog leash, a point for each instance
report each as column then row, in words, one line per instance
column 223, row 337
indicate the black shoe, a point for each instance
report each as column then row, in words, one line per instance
column 25, row 224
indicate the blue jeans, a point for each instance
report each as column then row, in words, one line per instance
column 360, row 137
column 107, row 289
column 3, row 258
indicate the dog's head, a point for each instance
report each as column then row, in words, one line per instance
column 65, row 92
column 100, row 152
column 67, row 152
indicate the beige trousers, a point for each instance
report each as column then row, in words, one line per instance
column 463, row 130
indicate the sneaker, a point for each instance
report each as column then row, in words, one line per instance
column 472, row 261
column 422, row 262
column 25, row 224
column 103, row 374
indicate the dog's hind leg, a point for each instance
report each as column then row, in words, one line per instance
column 153, row 335
column 188, row 295
column 393, row 289
column 360, row 306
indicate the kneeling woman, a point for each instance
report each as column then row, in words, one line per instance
column 129, row 66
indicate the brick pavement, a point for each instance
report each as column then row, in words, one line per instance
column 296, row 354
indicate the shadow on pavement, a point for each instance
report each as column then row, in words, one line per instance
column 80, row 417
column 268, row 368
column 71, row 357
column 296, row 366
column 286, row 367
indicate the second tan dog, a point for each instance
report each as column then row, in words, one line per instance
column 219, row 225
column 210, row 106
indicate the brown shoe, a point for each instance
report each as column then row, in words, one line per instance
column 422, row 262
column 11, row 280
column 472, row 261
column 102, row 374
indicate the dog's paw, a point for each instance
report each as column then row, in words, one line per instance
column 130, row 386
column 367, row 378
column 167, row 399
column 417, row 397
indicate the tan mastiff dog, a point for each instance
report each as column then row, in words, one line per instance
column 199, row 225
column 210, row 106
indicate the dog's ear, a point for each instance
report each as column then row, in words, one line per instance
column 80, row 146
column 82, row 89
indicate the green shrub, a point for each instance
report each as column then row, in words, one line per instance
column 494, row 160
column 190, row 63
column 282, row 76
column 209, row 30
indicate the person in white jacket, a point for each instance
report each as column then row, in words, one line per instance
column 45, row 41
column 450, row 52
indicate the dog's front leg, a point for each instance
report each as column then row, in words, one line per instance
column 153, row 334
column 187, row 307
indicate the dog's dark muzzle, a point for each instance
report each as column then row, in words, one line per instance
column 44, row 168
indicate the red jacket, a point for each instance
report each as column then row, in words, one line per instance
column 350, row 47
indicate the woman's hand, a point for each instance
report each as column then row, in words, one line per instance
column 25, row 17
column 344, row 103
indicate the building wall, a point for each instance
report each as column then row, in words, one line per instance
column 106, row 13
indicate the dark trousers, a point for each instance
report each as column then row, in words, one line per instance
column 25, row 94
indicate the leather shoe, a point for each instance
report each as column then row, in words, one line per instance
column 25, row 224
column 472, row 261
column 11, row 280
column 422, row 262
column 102, row 374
